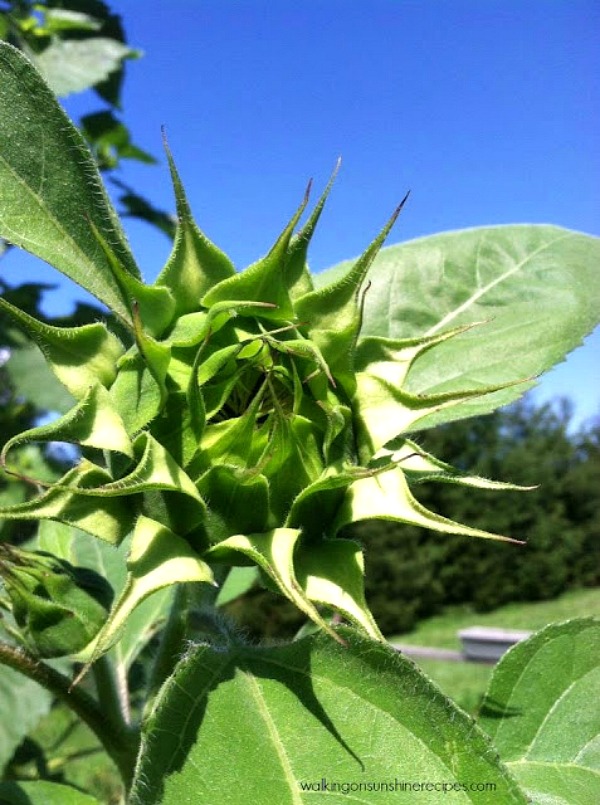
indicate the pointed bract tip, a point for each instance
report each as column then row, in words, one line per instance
column 78, row 677
column 166, row 146
column 332, row 178
column 307, row 191
column 398, row 209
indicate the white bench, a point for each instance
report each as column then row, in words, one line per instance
column 486, row 644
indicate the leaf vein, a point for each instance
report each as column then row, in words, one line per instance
column 484, row 289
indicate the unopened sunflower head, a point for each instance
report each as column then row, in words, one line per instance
column 240, row 416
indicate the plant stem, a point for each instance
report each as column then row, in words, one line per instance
column 171, row 646
column 121, row 744
column 179, row 629
column 113, row 700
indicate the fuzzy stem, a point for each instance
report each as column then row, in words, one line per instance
column 113, row 700
column 120, row 744
column 179, row 629
column 171, row 646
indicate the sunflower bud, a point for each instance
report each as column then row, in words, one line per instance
column 58, row 608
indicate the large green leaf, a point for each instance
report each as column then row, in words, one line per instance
column 542, row 711
column 53, row 202
column 536, row 290
column 22, row 704
column 255, row 725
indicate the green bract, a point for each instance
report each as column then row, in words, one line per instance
column 237, row 419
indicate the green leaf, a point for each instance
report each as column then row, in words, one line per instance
column 22, row 704
column 79, row 356
column 541, row 710
column 298, row 279
column 239, row 581
column 158, row 558
column 136, row 394
column 51, row 189
column 318, row 502
column 295, row 461
column 42, row 792
column 108, row 518
column 264, row 281
column 33, row 379
column 71, row 65
column 110, row 140
column 179, row 427
column 152, row 307
column 331, row 573
column 305, row 713
column 84, row 550
column 239, row 501
column 57, row 606
column 333, row 312
column 92, row 422
column 419, row 465
column 155, row 469
column 537, row 288
column 383, row 408
column 65, row 501
column 273, row 552
column 386, row 496
column 60, row 19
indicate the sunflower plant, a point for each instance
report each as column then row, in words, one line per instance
column 229, row 420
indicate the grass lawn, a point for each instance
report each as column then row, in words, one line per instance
column 465, row 682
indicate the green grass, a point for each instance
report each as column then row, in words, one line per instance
column 466, row 682
column 441, row 630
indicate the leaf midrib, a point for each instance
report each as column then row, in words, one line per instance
column 350, row 691
column 490, row 285
column 276, row 741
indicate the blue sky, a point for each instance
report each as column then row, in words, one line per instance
column 485, row 109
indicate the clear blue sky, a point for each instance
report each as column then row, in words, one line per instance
column 486, row 109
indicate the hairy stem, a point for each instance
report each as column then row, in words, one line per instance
column 171, row 646
column 113, row 700
column 179, row 629
column 121, row 744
